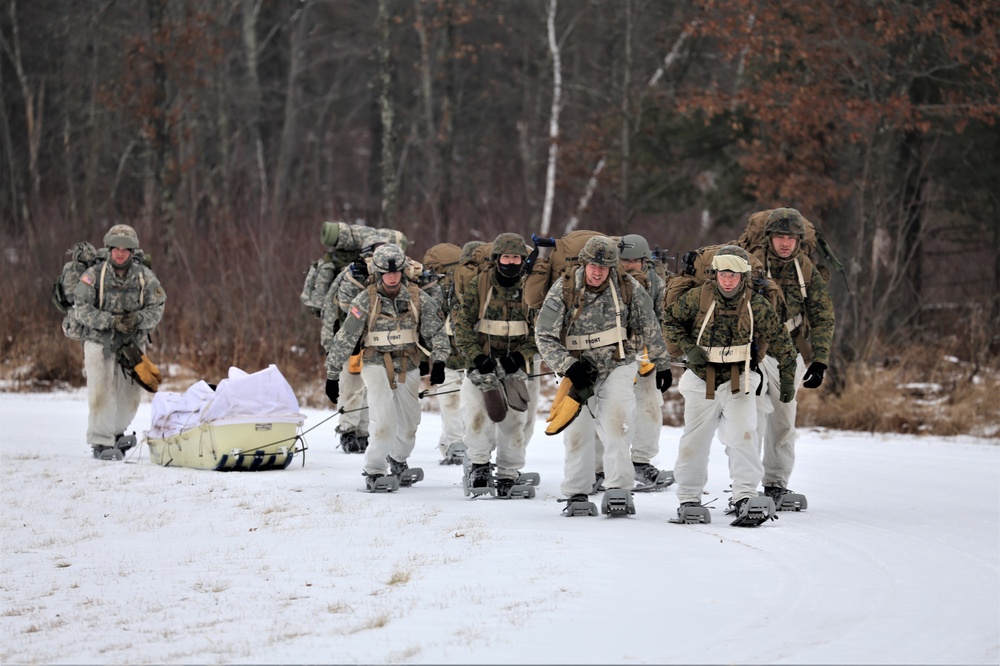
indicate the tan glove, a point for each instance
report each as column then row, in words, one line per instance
column 148, row 374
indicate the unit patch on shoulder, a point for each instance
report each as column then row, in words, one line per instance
column 355, row 312
column 87, row 278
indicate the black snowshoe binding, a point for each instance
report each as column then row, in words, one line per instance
column 598, row 483
column 617, row 503
column 477, row 479
column 455, row 455
column 380, row 483
column 692, row 513
column 752, row 511
column 117, row 451
column 351, row 442
column 786, row 500
column 407, row 475
column 578, row 505
column 650, row 479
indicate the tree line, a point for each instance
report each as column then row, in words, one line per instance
column 227, row 131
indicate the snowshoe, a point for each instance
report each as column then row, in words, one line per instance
column 350, row 444
column 752, row 511
column 617, row 502
column 478, row 479
column 598, row 483
column 786, row 500
column 380, row 483
column 407, row 475
column 692, row 513
column 528, row 479
column 108, row 453
column 125, row 442
column 511, row 489
column 578, row 505
column 455, row 454
column 650, row 479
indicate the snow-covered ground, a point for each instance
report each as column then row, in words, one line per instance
column 896, row 561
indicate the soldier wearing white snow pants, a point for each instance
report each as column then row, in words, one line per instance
column 715, row 324
column 776, row 425
column 450, row 404
column 387, row 320
column 355, row 417
column 588, row 331
column 118, row 302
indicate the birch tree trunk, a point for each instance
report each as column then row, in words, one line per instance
column 550, row 171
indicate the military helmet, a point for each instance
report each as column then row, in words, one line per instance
column 634, row 246
column 509, row 244
column 122, row 235
column 468, row 249
column 388, row 258
column 731, row 258
column 600, row 251
column 785, row 222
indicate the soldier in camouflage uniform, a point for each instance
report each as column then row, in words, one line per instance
column 588, row 332
column 494, row 328
column 386, row 324
column 634, row 258
column 353, row 425
column 810, row 321
column 715, row 324
column 117, row 301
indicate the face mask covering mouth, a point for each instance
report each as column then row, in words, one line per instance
column 510, row 270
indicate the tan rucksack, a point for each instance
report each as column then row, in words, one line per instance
column 563, row 261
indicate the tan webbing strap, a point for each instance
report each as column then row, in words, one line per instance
column 618, row 320
column 390, row 371
column 100, row 293
column 710, row 382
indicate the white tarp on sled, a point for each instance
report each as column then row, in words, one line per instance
column 249, row 422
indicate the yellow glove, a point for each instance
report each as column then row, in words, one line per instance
column 148, row 374
column 354, row 364
column 645, row 367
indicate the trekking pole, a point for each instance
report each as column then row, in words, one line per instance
column 427, row 394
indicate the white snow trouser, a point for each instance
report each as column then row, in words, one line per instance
column 734, row 419
column 483, row 435
column 112, row 396
column 648, row 421
column 353, row 400
column 613, row 409
column 776, row 424
column 452, row 423
column 393, row 417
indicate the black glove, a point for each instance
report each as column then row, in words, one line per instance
column 696, row 356
column 582, row 374
column 437, row 373
column 333, row 390
column 814, row 375
column 484, row 364
column 126, row 323
column 787, row 392
column 512, row 362
column 425, row 367
column 663, row 380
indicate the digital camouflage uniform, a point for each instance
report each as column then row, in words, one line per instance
column 100, row 296
column 731, row 415
column 649, row 400
column 610, row 411
column 449, row 402
column 391, row 364
column 777, row 425
column 501, row 326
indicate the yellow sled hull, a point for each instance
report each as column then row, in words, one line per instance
column 235, row 446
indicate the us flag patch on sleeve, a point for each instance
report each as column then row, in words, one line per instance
column 355, row 312
column 86, row 278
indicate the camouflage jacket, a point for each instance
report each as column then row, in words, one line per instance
column 395, row 315
column 138, row 291
column 443, row 296
column 597, row 314
column 654, row 286
column 506, row 304
column 817, row 307
column 342, row 291
column 680, row 328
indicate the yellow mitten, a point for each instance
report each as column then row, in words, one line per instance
column 148, row 375
column 561, row 393
column 645, row 367
column 354, row 364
